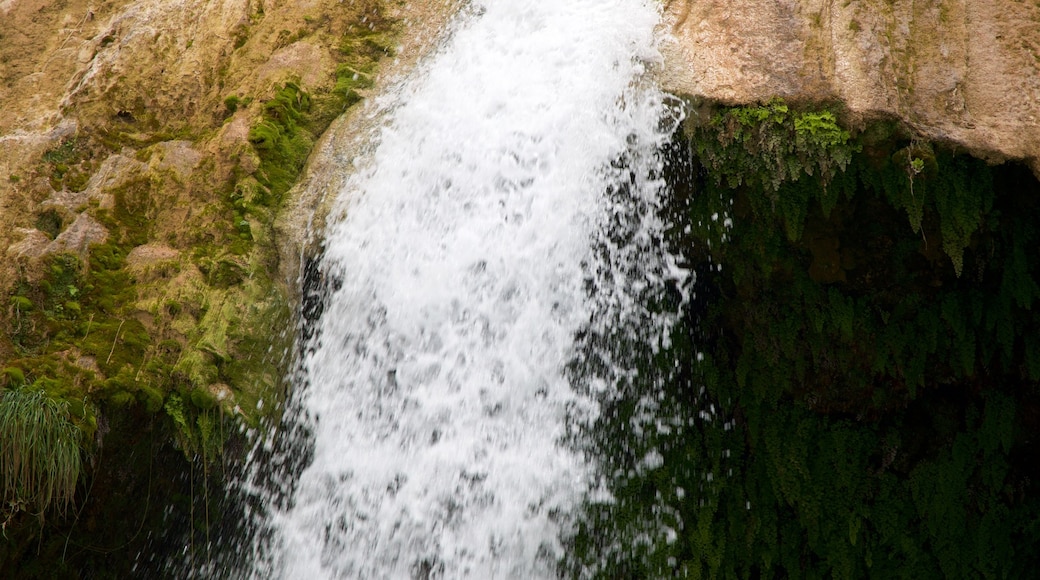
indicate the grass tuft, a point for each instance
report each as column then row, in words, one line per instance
column 40, row 458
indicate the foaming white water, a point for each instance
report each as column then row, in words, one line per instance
column 436, row 384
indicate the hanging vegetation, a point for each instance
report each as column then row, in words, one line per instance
column 854, row 391
column 40, row 453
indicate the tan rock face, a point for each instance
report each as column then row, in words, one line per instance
column 963, row 71
column 141, row 70
column 127, row 123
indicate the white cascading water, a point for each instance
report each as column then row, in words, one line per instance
column 436, row 385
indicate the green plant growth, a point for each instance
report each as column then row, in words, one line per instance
column 282, row 139
column 182, row 363
column 70, row 164
column 843, row 399
column 769, row 144
column 233, row 102
column 361, row 53
column 293, row 118
column 200, row 425
column 185, row 364
column 40, row 458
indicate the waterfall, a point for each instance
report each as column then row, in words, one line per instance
column 472, row 246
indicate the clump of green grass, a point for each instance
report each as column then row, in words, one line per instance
column 40, row 458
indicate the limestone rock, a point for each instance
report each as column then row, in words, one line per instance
column 32, row 245
column 176, row 156
column 78, row 237
column 116, row 171
column 963, row 72
column 150, row 254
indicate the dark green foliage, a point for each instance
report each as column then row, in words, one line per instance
column 137, row 498
column 199, row 424
column 767, row 145
column 49, row 222
column 233, row 102
column 778, row 161
column 867, row 397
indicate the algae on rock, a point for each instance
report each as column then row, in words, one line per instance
column 142, row 287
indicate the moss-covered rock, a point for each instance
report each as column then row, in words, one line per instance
column 850, row 394
column 144, row 289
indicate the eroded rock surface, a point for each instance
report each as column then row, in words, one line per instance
column 138, row 202
column 966, row 72
column 147, row 149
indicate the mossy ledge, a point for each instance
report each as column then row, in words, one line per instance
column 854, row 388
column 147, row 319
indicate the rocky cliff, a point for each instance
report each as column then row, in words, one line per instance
column 152, row 209
column 966, row 72
column 150, row 235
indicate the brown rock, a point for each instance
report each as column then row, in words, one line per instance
column 962, row 72
column 176, row 156
column 78, row 237
column 32, row 245
column 150, row 254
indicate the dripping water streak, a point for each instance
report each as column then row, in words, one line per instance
column 436, row 386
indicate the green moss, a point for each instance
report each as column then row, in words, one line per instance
column 203, row 399
column 231, row 103
column 21, row 304
column 64, row 153
column 371, row 46
column 351, row 80
column 222, row 274
column 49, row 222
column 197, row 366
column 13, row 377
column 864, row 417
column 292, row 118
column 70, row 164
column 281, row 139
column 133, row 204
